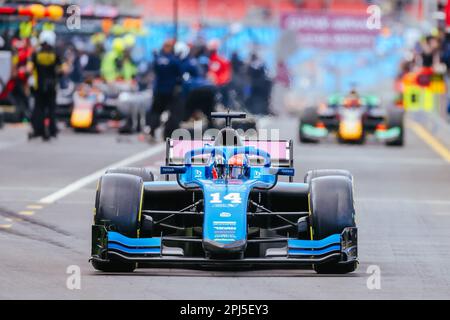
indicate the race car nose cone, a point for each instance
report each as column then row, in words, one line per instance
column 223, row 249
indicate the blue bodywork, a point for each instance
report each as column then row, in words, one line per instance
column 314, row 247
column 225, row 201
column 153, row 246
column 119, row 242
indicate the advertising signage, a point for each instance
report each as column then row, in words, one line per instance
column 334, row 31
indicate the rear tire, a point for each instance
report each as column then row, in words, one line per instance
column 326, row 172
column 395, row 119
column 309, row 117
column 145, row 174
column 118, row 206
column 332, row 210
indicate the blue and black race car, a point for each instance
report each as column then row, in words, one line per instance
column 225, row 208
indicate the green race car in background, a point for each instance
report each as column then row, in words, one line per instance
column 352, row 117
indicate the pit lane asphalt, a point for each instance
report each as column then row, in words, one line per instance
column 402, row 199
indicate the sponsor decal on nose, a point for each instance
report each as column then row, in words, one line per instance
column 225, row 214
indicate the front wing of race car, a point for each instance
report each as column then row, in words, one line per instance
column 337, row 247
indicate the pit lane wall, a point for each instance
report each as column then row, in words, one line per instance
column 437, row 125
column 427, row 104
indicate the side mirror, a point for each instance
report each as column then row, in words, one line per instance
column 283, row 171
column 173, row 170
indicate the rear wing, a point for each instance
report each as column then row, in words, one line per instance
column 281, row 151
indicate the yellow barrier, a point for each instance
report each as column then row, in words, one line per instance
column 417, row 98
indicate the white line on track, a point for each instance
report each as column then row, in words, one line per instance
column 27, row 189
column 74, row 186
column 411, row 201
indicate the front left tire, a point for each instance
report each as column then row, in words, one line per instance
column 118, row 206
column 309, row 117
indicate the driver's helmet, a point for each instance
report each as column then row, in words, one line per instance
column 218, row 169
column 352, row 103
column 353, row 94
column 237, row 166
column 352, row 99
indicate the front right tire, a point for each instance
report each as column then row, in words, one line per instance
column 332, row 210
column 311, row 174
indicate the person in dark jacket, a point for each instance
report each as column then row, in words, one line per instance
column 260, row 85
column 166, row 90
column 198, row 92
column 239, row 79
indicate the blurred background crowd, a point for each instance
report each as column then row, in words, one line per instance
column 144, row 62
